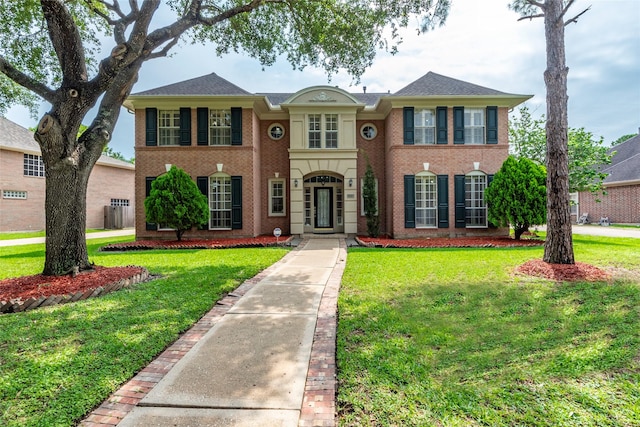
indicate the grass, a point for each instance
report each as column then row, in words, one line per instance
column 451, row 337
column 41, row 233
column 58, row 363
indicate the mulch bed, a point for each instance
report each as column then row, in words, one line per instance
column 14, row 291
column 446, row 242
column 564, row 272
column 252, row 242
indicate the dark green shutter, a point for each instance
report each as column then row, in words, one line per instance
column 443, row 201
column 441, row 125
column 203, row 186
column 489, row 180
column 151, row 117
column 458, row 125
column 147, row 191
column 407, row 114
column 236, row 126
column 461, row 208
column 236, row 202
column 492, row 125
column 185, row 126
column 202, row 117
column 409, row 201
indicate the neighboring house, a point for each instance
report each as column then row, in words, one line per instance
column 296, row 161
column 621, row 204
column 22, row 183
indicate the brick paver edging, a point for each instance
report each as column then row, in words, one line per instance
column 318, row 408
column 319, row 401
column 122, row 401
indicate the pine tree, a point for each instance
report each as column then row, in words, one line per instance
column 371, row 202
column 176, row 202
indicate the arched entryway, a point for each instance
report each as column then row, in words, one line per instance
column 323, row 203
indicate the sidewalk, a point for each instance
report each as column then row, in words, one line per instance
column 263, row 356
column 96, row 235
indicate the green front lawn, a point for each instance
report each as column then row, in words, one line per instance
column 451, row 337
column 58, row 363
column 10, row 235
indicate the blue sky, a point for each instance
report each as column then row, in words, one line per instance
column 482, row 42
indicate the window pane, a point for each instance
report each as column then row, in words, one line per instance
column 220, row 201
column 426, row 201
column 219, row 127
column 476, row 210
column 168, row 127
column 314, row 130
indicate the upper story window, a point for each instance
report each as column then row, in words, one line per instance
column 323, row 130
column 276, row 131
column 424, row 126
column 474, row 126
column 219, row 127
column 33, row 165
column 369, row 131
column 169, row 127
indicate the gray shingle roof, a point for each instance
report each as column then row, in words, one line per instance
column 211, row 84
column 428, row 85
column 625, row 164
column 436, row 84
column 16, row 138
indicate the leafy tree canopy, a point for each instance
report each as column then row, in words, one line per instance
column 623, row 138
column 517, row 195
column 50, row 50
column 176, row 202
column 587, row 155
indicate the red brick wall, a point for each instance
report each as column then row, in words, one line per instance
column 620, row 204
column 451, row 159
column 105, row 183
column 15, row 214
column 274, row 157
column 200, row 161
column 374, row 151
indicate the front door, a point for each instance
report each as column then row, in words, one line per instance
column 324, row 207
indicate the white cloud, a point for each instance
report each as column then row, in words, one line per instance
column 482, row 42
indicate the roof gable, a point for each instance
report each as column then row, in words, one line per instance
column 16, row 138
column 625, row 164
column 436, row 84
column 211, row 84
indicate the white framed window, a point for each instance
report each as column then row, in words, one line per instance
column 424, row 121
column 14, row 194
column 475, row 184
column 219, row 127
column 368, row 131
column 220, row 202
column 119, row 202
column 169, row 127
column 277, row 199
column 574, row 201
column 276, row 131
column 331, row 130
column 362, row 197
column 33, row 165
column 323, row 130
column 474, row 126
column 426, row 200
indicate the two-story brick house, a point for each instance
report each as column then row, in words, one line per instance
column 296, row 160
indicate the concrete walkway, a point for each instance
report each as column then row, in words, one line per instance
column 96, row 235
column 263, row 356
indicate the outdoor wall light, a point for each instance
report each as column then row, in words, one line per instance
column 350, row 182
column 295, row 182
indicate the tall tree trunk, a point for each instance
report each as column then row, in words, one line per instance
column 558, row 248
column 66, row 218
